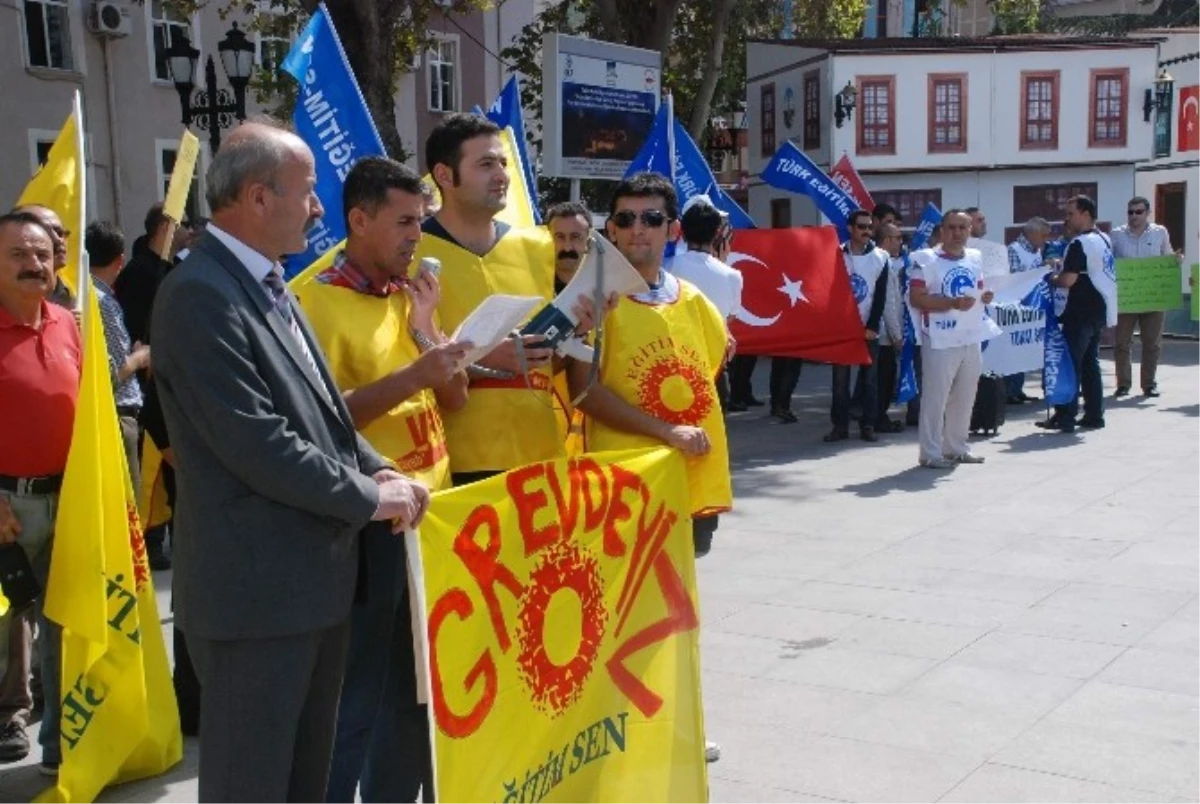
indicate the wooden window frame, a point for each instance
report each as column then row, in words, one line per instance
column 1097, row 73
column 859, row 113
column 913, row 208
column 766, row 120
column 812, row 124
column 1052, row 211
column 932, row 146
column 1055, row 77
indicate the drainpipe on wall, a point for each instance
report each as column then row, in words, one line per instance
column 114, row 148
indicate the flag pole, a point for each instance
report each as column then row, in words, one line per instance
column 83, row 276
column 671, row 133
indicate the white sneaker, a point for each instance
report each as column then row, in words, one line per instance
column 712, row 751
column 967, row 457
column 936, row 463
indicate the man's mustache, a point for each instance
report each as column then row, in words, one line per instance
column 31, row 275
column 568, row 255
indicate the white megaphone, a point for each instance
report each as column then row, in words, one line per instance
column 604, row 271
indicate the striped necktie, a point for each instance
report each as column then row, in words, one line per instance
column 283, row 305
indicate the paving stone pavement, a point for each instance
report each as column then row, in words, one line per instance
column 1024, row 630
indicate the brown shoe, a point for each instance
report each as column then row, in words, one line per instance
column 836, row 434
column 868, row 434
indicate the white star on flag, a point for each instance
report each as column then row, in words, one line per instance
column 792, row 289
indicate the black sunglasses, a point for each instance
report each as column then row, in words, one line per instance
column 650, row 218
column 1135, row 212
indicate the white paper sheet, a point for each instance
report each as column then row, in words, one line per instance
column 491, row 322
column 616, row 276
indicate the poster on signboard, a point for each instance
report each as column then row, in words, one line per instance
column 599, row 102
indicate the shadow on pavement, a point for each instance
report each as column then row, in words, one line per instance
column 915, row 478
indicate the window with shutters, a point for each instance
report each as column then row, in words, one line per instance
column 947, row 113
column 876, row 114
column 1109, row 108
column 812, row 110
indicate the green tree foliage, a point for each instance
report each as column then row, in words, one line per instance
column 380, row 37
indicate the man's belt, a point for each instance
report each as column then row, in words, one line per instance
column 31, row 485
column 131, row 411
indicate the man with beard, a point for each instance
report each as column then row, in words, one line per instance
column 481, row 256
column 569, row 223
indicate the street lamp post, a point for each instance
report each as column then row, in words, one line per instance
column 211, row 107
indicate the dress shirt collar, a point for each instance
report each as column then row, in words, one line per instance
column 254, row 262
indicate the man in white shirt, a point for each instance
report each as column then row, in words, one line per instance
column 1025, row 254
column 707, row 233
column 867, row 267
column 1139, row 238
column 945, row 288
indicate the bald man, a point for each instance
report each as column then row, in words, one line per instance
column 274, row 482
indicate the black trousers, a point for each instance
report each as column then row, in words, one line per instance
column 741, row 368
column 785, row 376
column 888, row 374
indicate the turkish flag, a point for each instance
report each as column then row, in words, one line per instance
column 796, row 297
column 846, row 177
column 1189, row 119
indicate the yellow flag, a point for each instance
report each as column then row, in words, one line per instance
column 518, row 213
column 561, row 605
column 58, row 184
column 119, row 717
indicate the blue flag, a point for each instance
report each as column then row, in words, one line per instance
column 506, row 112
column 692, row 174
column 930, row 218
column 909, row 387
column 789, row 169
column 332, row 119
column 1059, row 380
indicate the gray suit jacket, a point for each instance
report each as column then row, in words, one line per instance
column 273, row 481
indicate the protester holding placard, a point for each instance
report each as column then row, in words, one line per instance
column 394, row 367
column 1139, row 238
column 662, row 352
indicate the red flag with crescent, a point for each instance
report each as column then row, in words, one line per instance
column 1189, row 119
column 796, row 298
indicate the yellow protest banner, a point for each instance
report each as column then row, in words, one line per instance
column 563, row 633
column 181, row 176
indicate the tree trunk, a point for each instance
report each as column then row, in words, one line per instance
column 367, row 31
column 712, row 69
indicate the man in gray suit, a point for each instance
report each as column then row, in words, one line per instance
column 274, row 483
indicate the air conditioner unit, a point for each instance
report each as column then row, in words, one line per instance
column 110, row 19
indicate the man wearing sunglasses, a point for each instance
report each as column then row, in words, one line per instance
column 661, row 354
column 1140, row 238
column 867, row 266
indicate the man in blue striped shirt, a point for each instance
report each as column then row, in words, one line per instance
column 106, row 254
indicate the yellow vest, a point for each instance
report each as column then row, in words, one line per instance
column 503, row 425
column 365, row 338
column 664, row 359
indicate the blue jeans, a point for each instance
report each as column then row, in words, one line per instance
column 1083, row 342
column 868, row 381
column 1014, row 384
column 381, row 745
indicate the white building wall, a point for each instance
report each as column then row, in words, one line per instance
column 990, row 190
column 994, row 105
